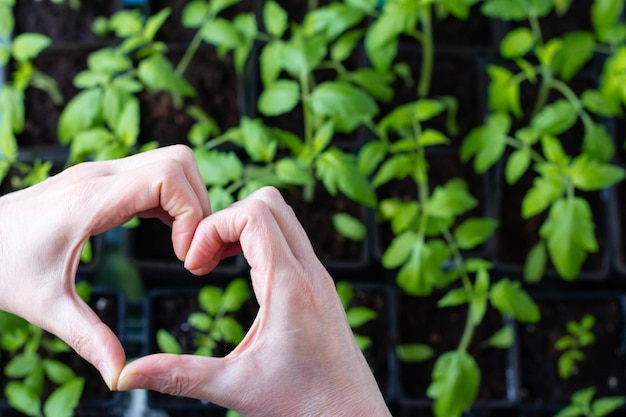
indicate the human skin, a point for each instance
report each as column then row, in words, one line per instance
column 299, row 358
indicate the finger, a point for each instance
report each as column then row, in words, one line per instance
column 76, row 324
column 179, row 375
column 252, row 224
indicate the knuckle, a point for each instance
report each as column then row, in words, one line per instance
column 178, row 384
column 182, row 152
column 80, row 343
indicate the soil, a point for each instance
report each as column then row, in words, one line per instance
column 605, row 360
column 476, row 31
column 60, row 22
column 421, row 321
column 42, row 114
column 96, row 394
column 219, row 95
column 516, row 236
column 316, row 218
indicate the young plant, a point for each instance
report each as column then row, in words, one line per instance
column 583, row 405
column 567, row 235
column 102, row 121
column 19, row 51
column 427, row 248
column 33, row 367
column 580, row 335
column 215, row 323
column 357, row 316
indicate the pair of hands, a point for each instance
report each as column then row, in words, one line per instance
column 298, row 358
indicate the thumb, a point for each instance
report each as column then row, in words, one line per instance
column 77, row 325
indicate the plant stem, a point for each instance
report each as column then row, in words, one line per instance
column 308, row 191
column 193, row 47
column 544, row 89
column 427, row 52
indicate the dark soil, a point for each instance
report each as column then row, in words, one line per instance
column 64, row 25
column 96, row 395
column 477, row 31
column 219, row 95
column 421, row 321
column 604, row 364
column 316, row 218
column 42, row 114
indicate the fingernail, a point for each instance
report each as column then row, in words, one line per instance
column 129, row 382
column 107, row 374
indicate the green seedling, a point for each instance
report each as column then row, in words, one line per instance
column 357, row 316
column 579, row 335
column 102, row 120
column 582, row 404
column 32, row 364
column 568, row 234
column 214, row 323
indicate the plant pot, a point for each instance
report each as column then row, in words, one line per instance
column 421, row 321
column 618, row 227
column 444, row 165
column 342, row 257
column 516, row 236
column 169, row 310
column 604, row 365
column 97, row 399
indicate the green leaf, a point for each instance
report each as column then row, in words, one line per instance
column 575, row 52
column 370, row 156
column 555, row 118
column 167, row 342
column 598, row 143
column 200, row 321
column 194, row 14
column 79, row 114
column 217, row 6
column 569, row 231
column 450, row 200
column 511, row 300
column 127, row 127
column 337, row 170
column 345, row 104
column 230, row 330
column 345, row 293
column 235, row 295
column 275, row 19
column 479, row 298
column 536, row 261
column 258, row 140
column 349, row 226
column 374, row 82
column 109, row 61
column 301, row 55
column 455, row 382
column 400, row 249
column 504, row 91
column 570, row 411
column 517, row 165
column 414, row 352
column 21, row 365
column 23, row 399
column 358, row 316
column 154, row 23
column 279, row 97
column 64, row 399
column 381, row 40
column 516, row 9
column 605, row 406
column 210, row 299
column 424, row 267
column 270, row 62
column 517, row 43
column 221, row 33
column 343, row 47
column 473, row 232
column 291, row 171
column 396, row 167
column 544, row 192
column 218, row 168
column 503, row 338
column 27, row 46
column 453, row 298
column 219, row 198
column 589, row 175
column 157, row 73
column 58, row 372
column 486, row 143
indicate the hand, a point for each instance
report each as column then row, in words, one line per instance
column 299, row 358
column 45, row 227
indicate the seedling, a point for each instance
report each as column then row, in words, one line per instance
column 583, row 405
column 215, row 323
column 20, row 51
column 32, row 365
column 102, row 121
column 567, row 235
column 580, row 335
column 357, row 316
